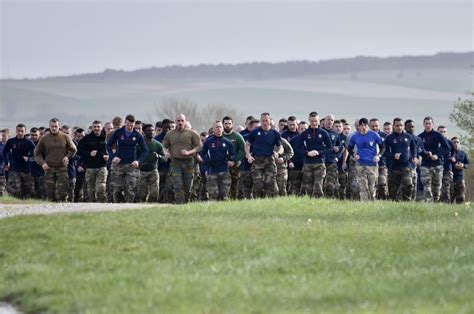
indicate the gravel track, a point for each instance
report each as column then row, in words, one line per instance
column 11, row 210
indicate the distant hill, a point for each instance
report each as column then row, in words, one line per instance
column 409, row 87
column 266, row 70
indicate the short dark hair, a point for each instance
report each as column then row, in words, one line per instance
column 408, row 121
column 363, row 121
column 158, row 124
column 167, row 121
column 428, row 118
column 343, row 121
column 79, row 130
column 283, row 120
column 249, row 118
column 146, row 126
column 441, row 127
column 130, row 118
column 454, row 138
column 337, row 122
column 374, row 119
column 20, row 125
column 227, row 118
column 387, row 123
column 137, row 122
column 397, row 120
column 313, row 114
column 265, row 114
column 54, row 120
column 253, row 121
column 117, row 121
column 34, row 130
column 292, row 118
column 97, row 122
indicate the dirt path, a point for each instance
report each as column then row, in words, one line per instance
column 11, row 210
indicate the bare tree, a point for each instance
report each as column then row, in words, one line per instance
column 200, row 117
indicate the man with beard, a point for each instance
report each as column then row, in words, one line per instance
column 239, row 147
column 92, row 149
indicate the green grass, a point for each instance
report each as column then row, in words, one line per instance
column 282, row 255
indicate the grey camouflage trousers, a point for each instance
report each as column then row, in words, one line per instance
column 367, row 178
column 21, row 185
column 218, row 186
column 330, row 181
column 313, row 178
column 431, row 179
column 400, row 184
column 96, row 181
column 124, row 177
column 264, row 173
column 149, row 186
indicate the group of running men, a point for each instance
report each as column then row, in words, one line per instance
column 169, row 162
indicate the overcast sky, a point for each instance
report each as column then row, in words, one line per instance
column 44, row 38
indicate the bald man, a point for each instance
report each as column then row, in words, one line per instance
column 181, row 145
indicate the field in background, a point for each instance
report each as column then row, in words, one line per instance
column 279, row 255
column 385, row 94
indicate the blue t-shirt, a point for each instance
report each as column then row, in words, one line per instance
column 264, row 142
column 366, row 146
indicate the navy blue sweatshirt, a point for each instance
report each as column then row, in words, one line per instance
column 331, row 156
column 17, row 149
column 216, row 152
column 446, row 155
column 264, row 142
column 432, row 142
column 244, row 165
column 459, row 156
column 2, row 160
column 127, row 146
column 340, row 154
column 288, row 135
column 299, row 154
column 402, row 143
column 314, row 139
column 35, row 169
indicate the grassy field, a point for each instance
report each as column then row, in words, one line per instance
column 282, row 255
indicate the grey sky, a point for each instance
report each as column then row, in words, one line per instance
column 40, row 38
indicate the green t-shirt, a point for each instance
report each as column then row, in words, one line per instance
column 239, row 144
column 151, row 159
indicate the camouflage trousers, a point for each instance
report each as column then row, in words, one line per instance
column 446, row 186
column 203, row 191
column 181, row 176
column 382, row 183
column 313, row 178
column 70, row 190
column 79, row 188
column 414, row 184
column 56, row 183
column 235, row 177
column 295, row 178
column 352, row 190
column 367, row 179
column 149, row 186
column 246, row 184
column 40, row 191
column 400, row 184
column 21, row 185
column 342, row 179
column 264, row 177
column 196, row 187
column 431, row 179
column 3, row 184
column 218, row 186
column 458, row 192
column 96, row 180
column 330, row 181
column 124, row 178
column 166, row 188
column 282, row 180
